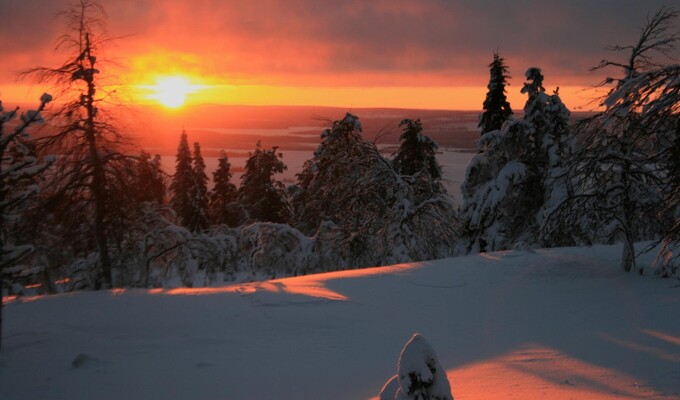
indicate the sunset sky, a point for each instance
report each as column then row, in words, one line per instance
column 355, row 53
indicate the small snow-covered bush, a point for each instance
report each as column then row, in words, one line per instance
column 420, row 376
column 273, row 250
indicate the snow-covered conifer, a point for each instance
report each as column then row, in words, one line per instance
column 508, row 181
column 416, row 153
column 420, row 376
column 260, row 193
column 149, row 184
column 19, row 166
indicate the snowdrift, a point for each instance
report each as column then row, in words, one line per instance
column 558, row 324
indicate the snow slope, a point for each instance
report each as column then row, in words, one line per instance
column 558, row 324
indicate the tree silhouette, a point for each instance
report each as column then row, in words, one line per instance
column 198, row 220
column 496, row 107
column 182, row 182
column 91, row 147
column 262, row 196
column 624, row 170
column 416, row 153
column 223, row 194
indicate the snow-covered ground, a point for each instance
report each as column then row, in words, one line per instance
column 555, row 324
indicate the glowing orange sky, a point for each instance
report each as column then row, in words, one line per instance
column 382, row 53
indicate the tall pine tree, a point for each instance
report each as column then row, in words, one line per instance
column 182, row 182
column 496, row 107
column 224, row 194
column 198, row 220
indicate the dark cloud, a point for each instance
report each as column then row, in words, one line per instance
column 435, row 41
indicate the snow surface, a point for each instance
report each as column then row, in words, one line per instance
column 554, row 324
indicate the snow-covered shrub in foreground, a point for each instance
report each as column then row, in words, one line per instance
column 420, row 376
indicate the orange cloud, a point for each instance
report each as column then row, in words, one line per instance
column 297, row 46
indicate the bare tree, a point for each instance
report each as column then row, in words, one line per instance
column 92, row 162
column 622, row 167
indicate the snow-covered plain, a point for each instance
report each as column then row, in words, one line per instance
column 554, row 324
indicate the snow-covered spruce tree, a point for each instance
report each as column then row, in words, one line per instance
column 496, row 106
column 381, row 216
column 553, row 148
column 224, row 195
column 324, row 177
column 416, row 153
column 182, row 182
column 149, row 182
column 420, row 376
column 19, row 166
column 508, row 182
column 199, row 193
column 261, row 195
column 622, row 168
column 82, row 187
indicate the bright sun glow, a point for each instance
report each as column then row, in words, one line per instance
column 172, row 91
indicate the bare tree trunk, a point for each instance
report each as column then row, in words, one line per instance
column 99, row 177
column 628, row 257
column 98, row 192
column 102, row 240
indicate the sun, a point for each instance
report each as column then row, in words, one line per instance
column 172, row 91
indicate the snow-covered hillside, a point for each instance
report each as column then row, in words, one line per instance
column 555, row 324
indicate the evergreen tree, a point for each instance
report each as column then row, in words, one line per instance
column 506, row 184
column 149, row 184
column 224, row 194
column 496, row 107
column 198, row 220
column 326, row 179
column 416, row 153
column 263, row 196
column 182, row 182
